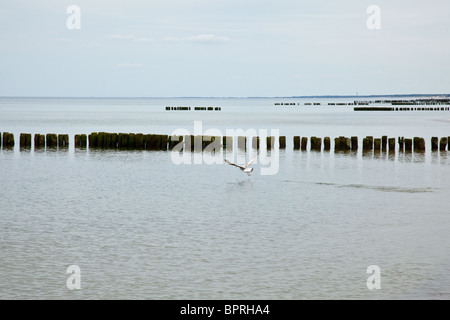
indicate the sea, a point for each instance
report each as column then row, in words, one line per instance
column 83, row 223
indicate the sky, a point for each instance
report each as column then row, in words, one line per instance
column 224, row 48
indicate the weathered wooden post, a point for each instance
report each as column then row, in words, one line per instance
column 401, row 142
column 296, row 143
column 408, row 145
column 434, row 143
column 367, row 145
column 10, row 140
column 174, row 140
column 107, row 142
column 39, row 141
column 304, row 143
column 270, row 141
column 132, row 141
column 83, row 140
column 25, row 140
column 227, row 143
column 421, row 146
column 377, row 144
column 327, row 144
column 52, row 140
column 163, row 139
column 125, row 140
column 443, row 143
column 93, row 140
column 206, row 141
column 242, row 143
column 384, row 141
column 255, row 143
column 114, row 140
column 100, row 140
column 282, row 140
column 418, row 144
column 77, row 141
column 354, row 143
column 391, row 142
column 316, row 143
column 63, row 140
column 140, row 141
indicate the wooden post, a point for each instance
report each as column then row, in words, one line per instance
column 242, row 143
column 296, row 143
column 282, row 140
column 52, row 140
column 108, row 140
column 93, row 140
column 354, row 143
column 408, row 145
column 434, row 143
column 114, row 140
column 391, row 142
column 377, row 144
column 443, row 143
column 77, row 141
column 140, row 141
column 384, row 141
column 255, row 143
column 83, row 141
column 327, row 144
column 25, row 140
column 270, row 142
column 316, row 143
column 304, row 143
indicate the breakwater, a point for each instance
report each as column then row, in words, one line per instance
column 383, row 105
column 161, row 142
column 181, row 108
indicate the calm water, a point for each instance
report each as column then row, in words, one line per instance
column 141, row 227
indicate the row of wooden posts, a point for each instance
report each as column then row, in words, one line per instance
column 104, row 140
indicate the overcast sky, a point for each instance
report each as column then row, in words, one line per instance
column 218, row 48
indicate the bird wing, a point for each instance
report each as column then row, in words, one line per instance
column 251, row 161
column 233, row 164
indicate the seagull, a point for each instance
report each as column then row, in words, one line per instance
column 246, row 167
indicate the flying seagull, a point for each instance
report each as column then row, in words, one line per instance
column 246, row 167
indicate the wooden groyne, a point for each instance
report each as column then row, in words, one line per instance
column 401, row 109
column 161, row 142
column 382, row 105
column 181, row 108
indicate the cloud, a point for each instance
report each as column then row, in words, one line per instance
column 122, row 36
column 144, row 39
column 129, row 65
column 207, row 38
column 130, row 37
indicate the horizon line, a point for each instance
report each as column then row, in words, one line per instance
column 232, row 97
